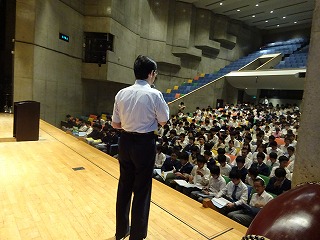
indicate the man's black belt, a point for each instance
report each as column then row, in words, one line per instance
column 138, row 134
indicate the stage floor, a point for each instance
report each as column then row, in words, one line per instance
column 44, row 196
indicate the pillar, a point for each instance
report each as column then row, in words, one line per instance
column 307, row 162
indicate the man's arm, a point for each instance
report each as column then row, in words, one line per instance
column 162, row 123
column 116, row 125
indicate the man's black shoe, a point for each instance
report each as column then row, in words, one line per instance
column 122, row 238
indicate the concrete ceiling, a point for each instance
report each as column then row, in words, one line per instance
column 263, row 14
column 281, row 79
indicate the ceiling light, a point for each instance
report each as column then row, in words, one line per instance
column 257, row 5
column 271, row 11
column 238, row 10
column 221, row 4
column 295, row 22
column 267, row 21
column 278, row 25
column 253, row 15
column 283, row 17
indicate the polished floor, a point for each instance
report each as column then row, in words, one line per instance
column 44, row 194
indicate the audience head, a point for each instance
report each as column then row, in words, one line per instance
column 201, row 161
column 259, row 186
column 273, row 145
column 174, row 156
column 260, row 157
column 283, row 160
column 221, row 151
column 235, row 176
column 222, row 159
column 184, row 157
column 215, row 171
column 240, row 160
column 191, row 140
column 272, row 138
column 244, row 152
column 290, row 150
column 207, row 154
column 273, row 157
column 253, row 172
column 280, row 174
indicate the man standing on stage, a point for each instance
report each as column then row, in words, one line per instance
column 137, row 110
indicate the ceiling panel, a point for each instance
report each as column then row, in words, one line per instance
column 263, row 14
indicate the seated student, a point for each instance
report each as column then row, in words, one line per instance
column 210, row 161
column 194, row 154
column 169, row 164
column 182, row 141
column 258, row 200
column 283, row 161
column 231, row 149
column 199, row 175
column 225, row 168
column 235, row 191
column 180, row 173
column 291, row 157
column 271, row 139
column 111, row 137
column 274, row 148
column 84, row 126
column 240, row 161
column 284, row 147
column 222, row 151
column 261, row 149
column 189, row 146
column 260, row 165
column 201, row 144
column 247, row 157
column 95, row 137
column 273, row 160
column 279, row 183
column 219, row 144
column 160, row 157
column 252, row 175
column 216, row 184
column 89, row 129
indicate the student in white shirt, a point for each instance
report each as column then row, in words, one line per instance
column 258, row 200
column 216, row 184
column 283, row 161
column 236, row 191
column 199, row 175
column 225, row 168
column 160, row 157
column 291, row 157
column 274, row 148
column 273, row 161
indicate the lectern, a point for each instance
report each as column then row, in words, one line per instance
column 26, row 121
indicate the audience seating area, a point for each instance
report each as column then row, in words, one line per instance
column 212, row 124
column 294, row 52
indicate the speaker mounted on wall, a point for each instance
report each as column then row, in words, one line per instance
column 96, row 46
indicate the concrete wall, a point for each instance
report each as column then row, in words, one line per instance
column 47, row 69
column 160, row 29
column 51, row 71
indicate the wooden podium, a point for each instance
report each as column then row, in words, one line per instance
column 26, row 121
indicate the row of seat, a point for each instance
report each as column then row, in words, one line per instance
column 284, row 47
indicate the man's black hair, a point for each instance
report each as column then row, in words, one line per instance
column 143, row 66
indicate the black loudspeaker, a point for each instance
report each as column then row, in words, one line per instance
column 96, row 46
